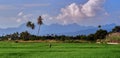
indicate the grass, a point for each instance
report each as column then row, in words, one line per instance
column 58, row 50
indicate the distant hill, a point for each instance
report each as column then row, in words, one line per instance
column 71, row 29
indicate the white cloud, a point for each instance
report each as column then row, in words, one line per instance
column 73, row 13
column 49, row 19
column 92, row 7
column 6, row 22
column 23, row 17
column 15, row 21
column 76, row 13
column 20, row 14
column 18, row 20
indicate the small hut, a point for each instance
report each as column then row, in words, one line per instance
column 9, row 39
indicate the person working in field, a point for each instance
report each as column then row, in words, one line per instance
column 50, row 45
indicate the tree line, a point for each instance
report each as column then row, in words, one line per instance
column 99, row 34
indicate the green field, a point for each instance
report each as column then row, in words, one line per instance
column 58, row 50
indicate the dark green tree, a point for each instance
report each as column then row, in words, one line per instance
column 100, row 34
column 116, row 29
column 25, row 35
column 91, row 37
column 15, row 36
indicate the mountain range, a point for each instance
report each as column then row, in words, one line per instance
column 70, row 30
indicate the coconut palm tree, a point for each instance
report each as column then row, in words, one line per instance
column 30, row 25
column 40, row 22
column 99, row 26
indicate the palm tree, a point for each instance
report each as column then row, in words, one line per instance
column 99, row 26
column 30, row 25
column 40, row 22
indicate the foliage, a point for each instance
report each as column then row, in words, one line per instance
column 116, row 29
column 30, row 24
column 99, row 26
column 91, row 37
column 40, row 22
column 25, row 35
column 100, row 34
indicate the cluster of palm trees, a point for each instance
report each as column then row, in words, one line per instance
column 32, row 25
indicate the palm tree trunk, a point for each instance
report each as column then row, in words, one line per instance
column 38, row 30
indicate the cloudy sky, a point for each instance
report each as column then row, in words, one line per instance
column 13, row 13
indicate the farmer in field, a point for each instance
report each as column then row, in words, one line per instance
column 50, row 45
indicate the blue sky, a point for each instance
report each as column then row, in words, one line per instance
column 13, row 13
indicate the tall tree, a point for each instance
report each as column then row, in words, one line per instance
column 30, row 25
column 40, row 22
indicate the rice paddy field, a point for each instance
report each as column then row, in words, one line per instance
column 58, row 50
